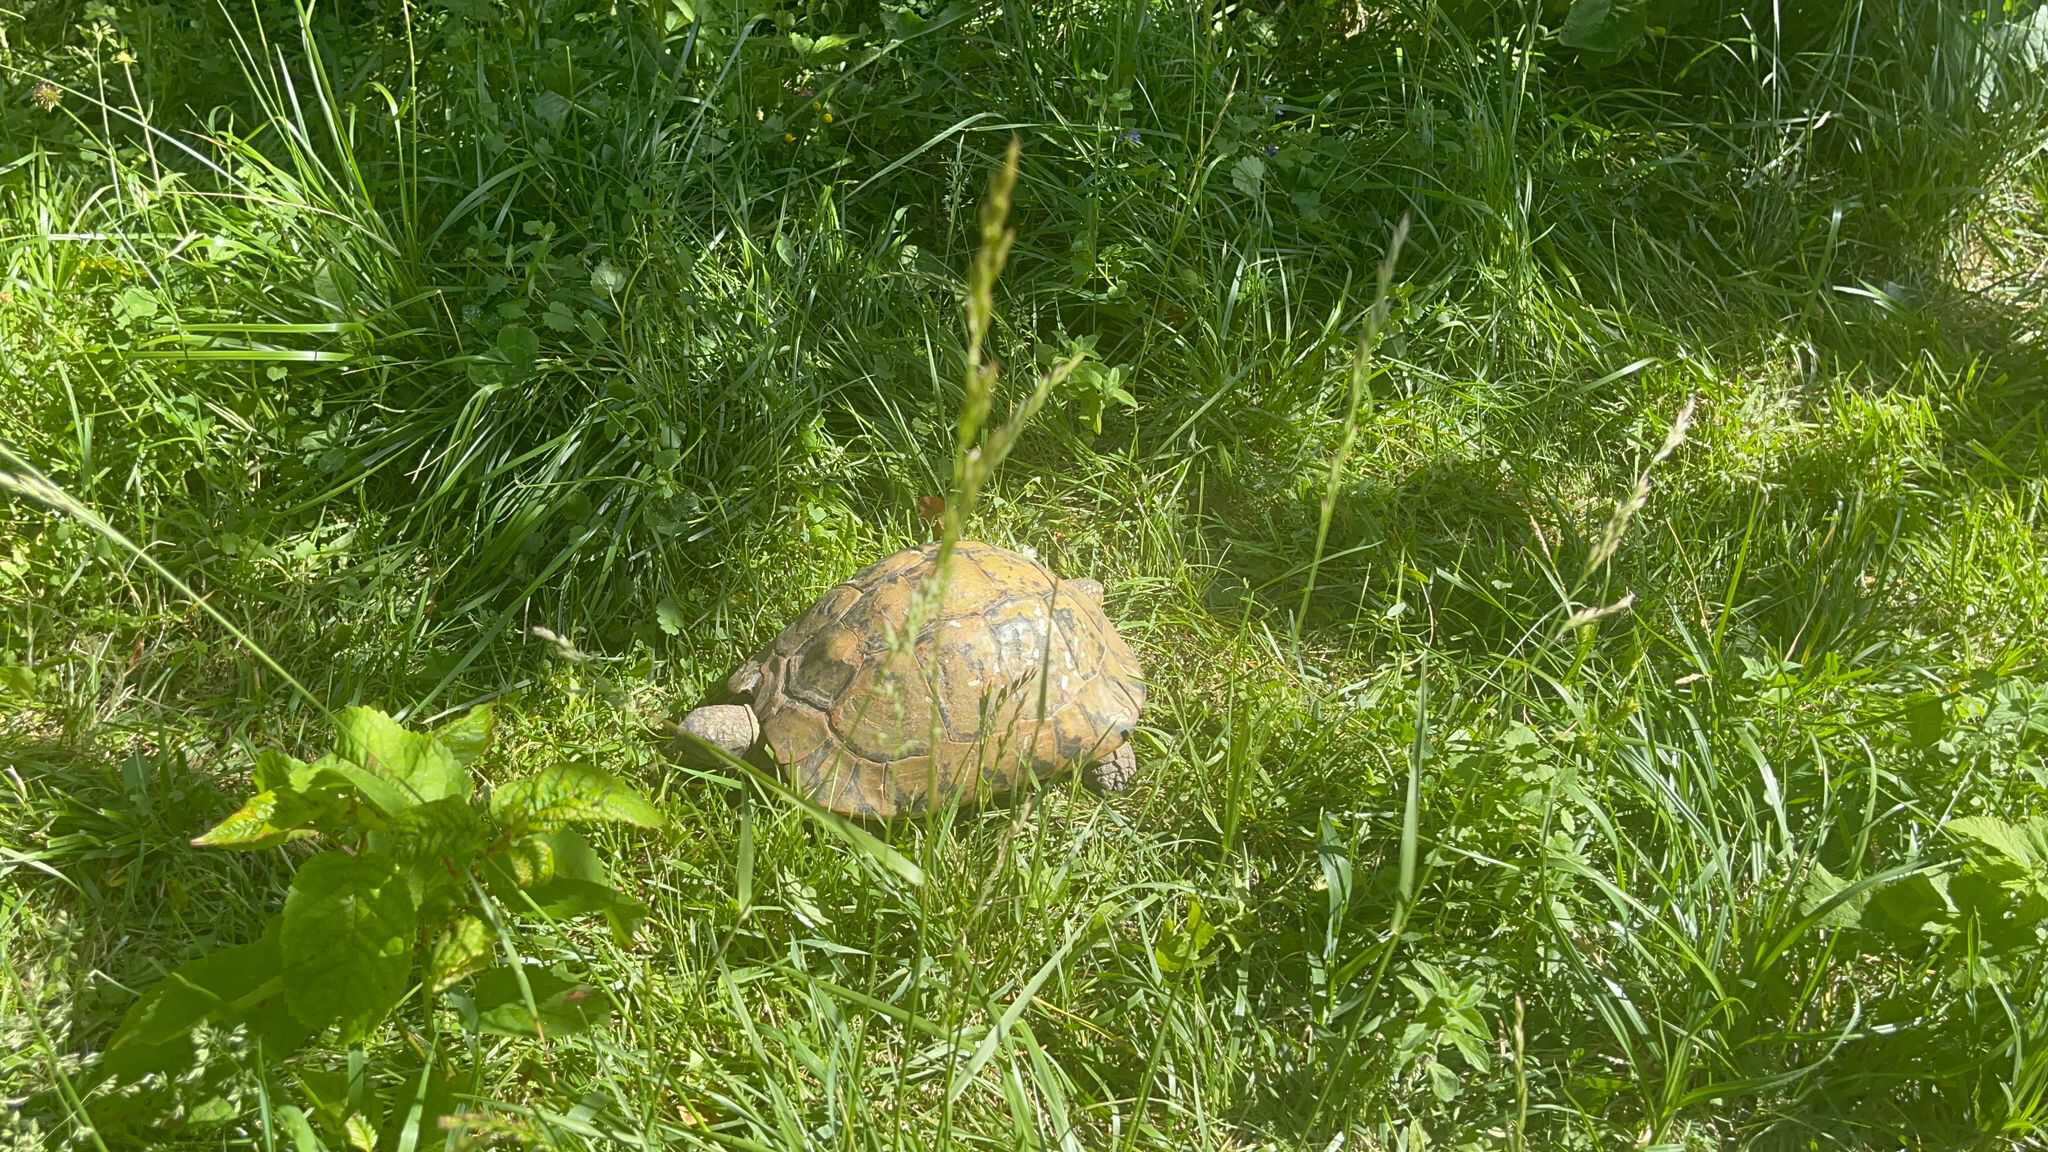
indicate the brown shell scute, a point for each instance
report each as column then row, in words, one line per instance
column 1011, row 676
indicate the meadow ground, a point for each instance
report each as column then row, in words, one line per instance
column 1605, row 708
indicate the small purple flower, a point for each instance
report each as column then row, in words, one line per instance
column 1272, row 150
column 1132, row 136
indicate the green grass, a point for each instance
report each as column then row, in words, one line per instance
column 1543, row 790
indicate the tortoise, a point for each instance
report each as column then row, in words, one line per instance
column 1013, row 675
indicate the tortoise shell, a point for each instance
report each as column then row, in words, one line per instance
column 1014, row 674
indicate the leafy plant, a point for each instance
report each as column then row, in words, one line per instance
column 1447, row 1011
column 409, row 893
column 1090, row 387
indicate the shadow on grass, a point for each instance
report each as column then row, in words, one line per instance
column 119, row 896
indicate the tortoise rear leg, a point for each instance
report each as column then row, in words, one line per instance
column 1117, row 773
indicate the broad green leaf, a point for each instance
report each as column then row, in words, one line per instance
column 469, row 736
column 419, row 765
column 441, row 830
column 278, row 772
column 463, row 948
column 1248, row 175
column 518, row 344
column 348, row 932
column 386, row 795
column 218, row 986
column 16, row 680
column 1912, row 906
column 530, row 860
column 568, row 880
column 2019, row 848
column 264, row 820
column 572, row 794
column 1822, row 884
column 1611, row 26
column 566, row 1006
column 314, row 800
column 2002, row 912
column 565, row 897
column 669, row 617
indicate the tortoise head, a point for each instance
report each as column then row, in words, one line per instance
column 731, row 727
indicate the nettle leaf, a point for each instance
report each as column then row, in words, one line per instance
column 263, row 821
column 572, row 794
column 530, row 860
column 560, row 874
column 461, row 950
column 419, row 765
column 1821, row 886
column 220, row 986
column 348, row 932
column 1912, row 906
column 469, row 736
column 447, row 830
column 276, row 771
column 566, row 1006
column 293, row 809
column 2006, row 846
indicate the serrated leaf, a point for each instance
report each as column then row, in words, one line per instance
column 552, row 107
column 272, row 817
column 462, row 949
column 417, row 764
column 1821, row 885
column 1473, row 1049
column 568, row 880
column 559, row 317
column 1911, row 906
column 276, row 771
column 469, row 736
column 263, row 821
column 1442, row 1081
column 348, row 931
column 2020, row 847
column 447, row 829
column 566, row 1006
column 386, row 795
column 572, row 794
column 669, row 617
column 530, row 860
column 1248, row 175
column 218, row 986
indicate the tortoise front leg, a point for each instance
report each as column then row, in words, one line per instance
column 1115, row 774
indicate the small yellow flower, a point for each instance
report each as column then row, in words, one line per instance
column 124, row 56
column 47, row 96
column 828, row 117
column 789, row 137
column 760, row 114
